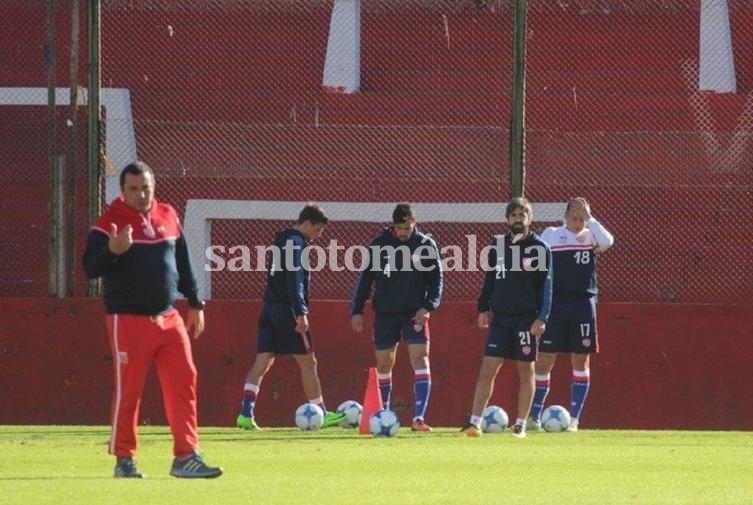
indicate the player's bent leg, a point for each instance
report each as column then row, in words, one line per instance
column 490, row 366
column 177, row 376
column 419, row 356
column 313, row 390
column 579, row 387
column 385, row 361
column 542, row 376
column 309, row 376
column 262, row 363
column 526, row 391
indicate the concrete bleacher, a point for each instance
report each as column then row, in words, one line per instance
column 239, row 112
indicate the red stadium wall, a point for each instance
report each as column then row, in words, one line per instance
column 661, row 366
column 445, row 121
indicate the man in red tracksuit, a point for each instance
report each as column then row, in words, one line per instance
column 138, row 247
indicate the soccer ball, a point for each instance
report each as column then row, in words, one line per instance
column 494, row 419
column 353, row 411
column 555, row 418
column 309, row 417
column 383, row 423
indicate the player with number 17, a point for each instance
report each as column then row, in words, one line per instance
column 572, row 325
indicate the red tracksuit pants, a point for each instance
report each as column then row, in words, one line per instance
column 135, row 342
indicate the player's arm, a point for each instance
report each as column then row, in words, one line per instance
column 195, row 322
column 294, row 279
column 361, row 292
column 362, row 289
column 436, row 281
column 545, row 289
column 549, row 235
column 186, row 279
column 603, row 238
column 98, row 259
column 488, row 286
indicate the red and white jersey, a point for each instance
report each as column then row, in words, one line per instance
column 574, row 258
column 147, row 278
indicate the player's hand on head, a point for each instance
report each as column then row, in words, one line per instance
column 120, row 240
column 581, row 206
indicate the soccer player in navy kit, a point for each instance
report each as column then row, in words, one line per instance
column 572, row 323
column 514, row 305
column 138, row 247
column 405, row 269
column 284, row 319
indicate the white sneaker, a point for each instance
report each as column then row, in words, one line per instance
column 533, row 425
column 573, row 427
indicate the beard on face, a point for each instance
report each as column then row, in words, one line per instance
column 517, row 228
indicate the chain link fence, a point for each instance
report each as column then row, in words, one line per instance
column 635, row 106
column 225, row 99
column 43, row 210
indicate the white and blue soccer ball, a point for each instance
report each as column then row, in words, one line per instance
column 555, row 419
column 353, row 412
column 309, row 417
column 494, row 419
column 383, row 423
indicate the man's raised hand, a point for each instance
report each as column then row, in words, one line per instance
column 120, row 241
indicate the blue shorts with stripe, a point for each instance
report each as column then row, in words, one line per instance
column 277, row 333
column 389, row 329
column 510, row 337
column 571, row 327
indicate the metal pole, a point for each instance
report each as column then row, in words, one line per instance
column 49, row 54
column 71, row 201
column 517, row 127
column 93, row 122
column 58, row 231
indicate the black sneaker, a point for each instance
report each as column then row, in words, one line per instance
column 126, row 468
column 193, row 467
column 519, row 430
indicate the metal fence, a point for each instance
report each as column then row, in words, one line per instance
column 230, row 102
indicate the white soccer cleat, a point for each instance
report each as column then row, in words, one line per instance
column 573, row 426
column 533, row 425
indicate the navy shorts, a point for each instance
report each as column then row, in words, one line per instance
column 390, row 329
column 510, row 337
column 571, row 328
column 277, row 331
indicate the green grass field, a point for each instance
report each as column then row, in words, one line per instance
column 69, row 464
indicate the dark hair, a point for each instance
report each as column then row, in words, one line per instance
column 135, row 168
column 313, row 214
column 519, row 203
column 403, row 213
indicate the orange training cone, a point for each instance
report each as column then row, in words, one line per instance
column 372, row 401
